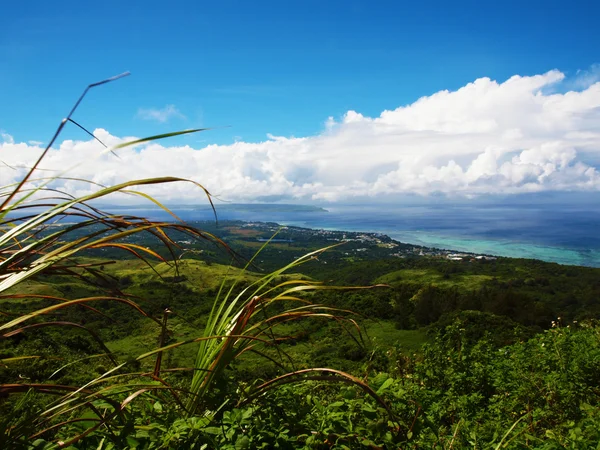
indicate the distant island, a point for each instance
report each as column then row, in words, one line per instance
column 229, row 207
column 264, row 207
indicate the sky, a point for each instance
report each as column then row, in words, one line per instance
column 308, row 101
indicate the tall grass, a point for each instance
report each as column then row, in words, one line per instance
column 30, row 246
column 242, row 319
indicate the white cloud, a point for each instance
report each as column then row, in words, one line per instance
column 6, row 138
column 161, row 115
column 487, row 137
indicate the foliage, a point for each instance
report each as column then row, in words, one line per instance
column 457, row 394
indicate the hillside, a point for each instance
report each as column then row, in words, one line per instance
column 442, row 342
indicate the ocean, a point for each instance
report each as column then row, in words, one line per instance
column 566, row 234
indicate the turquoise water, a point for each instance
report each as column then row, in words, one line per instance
column 577, row 257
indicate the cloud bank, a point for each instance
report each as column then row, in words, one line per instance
column 518, row 136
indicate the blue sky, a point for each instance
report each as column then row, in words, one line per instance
column 269, row 67
column 283, row 68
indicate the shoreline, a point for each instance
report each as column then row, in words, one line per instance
column 478, row 246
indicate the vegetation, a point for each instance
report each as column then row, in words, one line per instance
column 199, row 346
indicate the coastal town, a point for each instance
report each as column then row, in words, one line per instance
column 358, row 245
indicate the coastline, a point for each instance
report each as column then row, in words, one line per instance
column 498, row 248
column 500, row 232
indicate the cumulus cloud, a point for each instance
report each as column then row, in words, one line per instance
column 488, row 137
column 161, row 115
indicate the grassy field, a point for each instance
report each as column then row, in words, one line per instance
column 190, row 297
column 200, row 277
column 385, row 334
column 430, row 276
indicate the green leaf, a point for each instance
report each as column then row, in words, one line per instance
column 133, row 443
column 247, row 413
column 242, row 443
column 385, row 385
